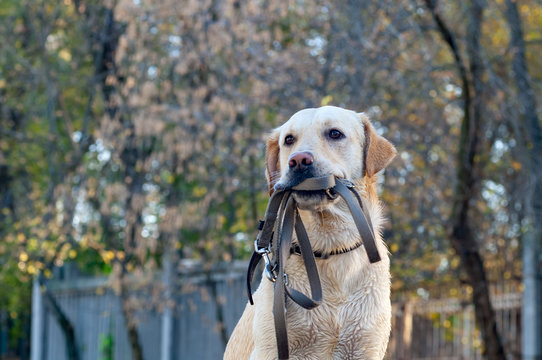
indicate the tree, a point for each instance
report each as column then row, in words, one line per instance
column 36, row 144
column 529, row 133
column 467, row 186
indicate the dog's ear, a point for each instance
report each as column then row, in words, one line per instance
column 272, row 160
column 377, row 151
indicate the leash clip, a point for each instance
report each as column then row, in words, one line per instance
column 349, row 184
column 270, row 269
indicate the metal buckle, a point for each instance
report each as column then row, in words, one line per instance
column 348, row 183
column 269, row 269
column 330, row 195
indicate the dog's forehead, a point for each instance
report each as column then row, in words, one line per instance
column 326, row 116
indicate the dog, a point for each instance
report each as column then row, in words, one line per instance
column 354, row 318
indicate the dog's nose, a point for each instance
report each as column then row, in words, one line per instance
column 301, row 160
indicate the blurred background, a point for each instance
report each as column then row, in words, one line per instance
column 132, row 140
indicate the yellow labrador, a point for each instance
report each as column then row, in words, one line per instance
column 353, row 321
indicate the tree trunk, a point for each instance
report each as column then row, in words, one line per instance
column 528, row 132
column 105, row 66
column 219, row 311
column 72, row 351
column 54, row 168
column 131, row 324
column 462, row 237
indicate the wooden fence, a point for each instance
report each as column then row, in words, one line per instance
column 207, row 304
column 197, row 300
column 445, row 329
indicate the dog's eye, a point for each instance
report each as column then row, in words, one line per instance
column 335, row 134
column 289, row 139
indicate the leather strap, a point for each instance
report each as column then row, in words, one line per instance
column 310, row 267
column 279, row 299
column 365, row 231
column 316, row 183
column 265, row 235
column 282, row 207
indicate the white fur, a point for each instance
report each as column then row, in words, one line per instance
column 353, row 321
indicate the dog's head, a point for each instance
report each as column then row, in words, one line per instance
column 324, row 141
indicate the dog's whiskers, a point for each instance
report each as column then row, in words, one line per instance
column 275, row 175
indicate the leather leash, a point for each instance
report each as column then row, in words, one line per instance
column 282, row 207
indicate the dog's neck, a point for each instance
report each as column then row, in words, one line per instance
column 330, row 229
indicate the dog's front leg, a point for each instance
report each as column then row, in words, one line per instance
column 241, row 342
column 263, row 327
column 367, row 342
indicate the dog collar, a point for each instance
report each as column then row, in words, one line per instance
column 295, row 249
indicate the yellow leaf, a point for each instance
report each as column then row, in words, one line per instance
column 32, row 244
column 31, row 269
column 454, row 263
column 108, row 256
column 326, row 100
column 199, row 191
column 23, row 257
column 453, row 292
column 65, row 55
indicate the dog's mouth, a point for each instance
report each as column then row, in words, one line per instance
column 309, row 199
column 328, row 194
column 294, row 178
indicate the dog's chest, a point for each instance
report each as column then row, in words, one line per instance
column 319, row 330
